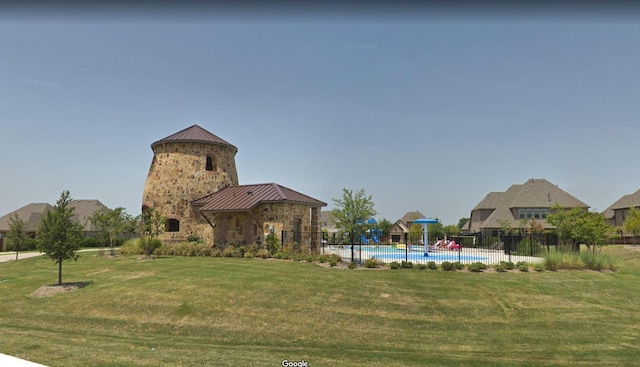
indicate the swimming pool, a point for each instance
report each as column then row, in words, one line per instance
column 414, row 254
column 419, row 257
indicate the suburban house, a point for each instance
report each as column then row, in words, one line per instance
column 617, row 211
column 402, row 226
column 33, row 213
column 520, row 203
column 193, row 183
column 327, row 222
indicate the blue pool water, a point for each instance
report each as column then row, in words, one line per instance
column 419, row 256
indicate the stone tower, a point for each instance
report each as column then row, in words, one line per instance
column 186, row 166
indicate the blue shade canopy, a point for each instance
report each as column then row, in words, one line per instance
column 372, row 221
column 425, row 221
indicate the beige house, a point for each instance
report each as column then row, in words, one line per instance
column 521, row 202
column 193, row 183
column 616, row 213
column 401, row 227
column 33, row 213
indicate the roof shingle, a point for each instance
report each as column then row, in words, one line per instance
column 245, row 197
column 196, row 134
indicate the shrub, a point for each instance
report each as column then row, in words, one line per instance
column 232, row 251
column 150, row 245
column 272, row 243
column 407, row 265
column 132, row 247
column 195, row 238
column 458, row 265
column 476, row 267
column 431, row 265
column 447, row 266
column 501, row 268
column 522, row 266
column 420, row 266
column 352, row 265
column 394, row 265
column 538, row 267
column 508, row 265
column 263, row 253
column 323, row 259
column 333, row 262
column 371, row 263
column 335, row 257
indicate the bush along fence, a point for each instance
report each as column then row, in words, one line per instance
column 482, row 248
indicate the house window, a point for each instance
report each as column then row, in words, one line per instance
column 211, row 164
column 536, row 213
column 521, row 213
column 173, row 225
column 543, row 213
column 529, row 213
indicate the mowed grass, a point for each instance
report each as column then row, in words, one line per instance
column 249, row 312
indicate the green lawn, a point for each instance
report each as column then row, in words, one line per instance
column 250, row 312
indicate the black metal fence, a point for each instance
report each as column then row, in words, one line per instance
column 485, row 248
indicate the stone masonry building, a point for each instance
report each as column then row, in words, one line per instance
column 193, row 183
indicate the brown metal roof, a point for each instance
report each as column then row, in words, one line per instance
column 193, row 134
column 246, row 197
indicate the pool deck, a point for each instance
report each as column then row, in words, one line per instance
column 467, row 255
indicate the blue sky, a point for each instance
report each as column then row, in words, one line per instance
column 425, row 112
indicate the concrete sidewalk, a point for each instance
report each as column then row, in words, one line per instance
column 8, row 256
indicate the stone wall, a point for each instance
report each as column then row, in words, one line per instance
column 252, row 227
column 179, row 175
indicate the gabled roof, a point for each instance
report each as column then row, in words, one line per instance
column 411, row 216
column 196, row 134
column 31, row 214
column 535, row 193
column 625, row 202
column 246, row 197
column 402, row 226
column 84, row 209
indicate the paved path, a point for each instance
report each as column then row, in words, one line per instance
column 8, row 256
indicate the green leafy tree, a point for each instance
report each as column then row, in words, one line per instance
column 151, row 226
column 462, row 222
column 59, row 237
column 113, row 223
column 17, row 236
column 632, row 223
column 415, row 233
column 352, row 212
column 578, row 226
column 384, row 225
column 436, row 230
column 451, row 230
column 505, row 227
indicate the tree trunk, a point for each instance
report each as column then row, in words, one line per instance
column 60, row 272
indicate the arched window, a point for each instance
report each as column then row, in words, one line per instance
column 173, row 225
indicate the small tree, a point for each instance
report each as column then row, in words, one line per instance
column 59, row 237
column 17, row 236
column 632, row 223
column 151, row 226
column 451, row 230
column 352, row 212
column 113, row 223
column 384, row 225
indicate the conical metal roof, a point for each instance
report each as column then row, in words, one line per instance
column 196, row 134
